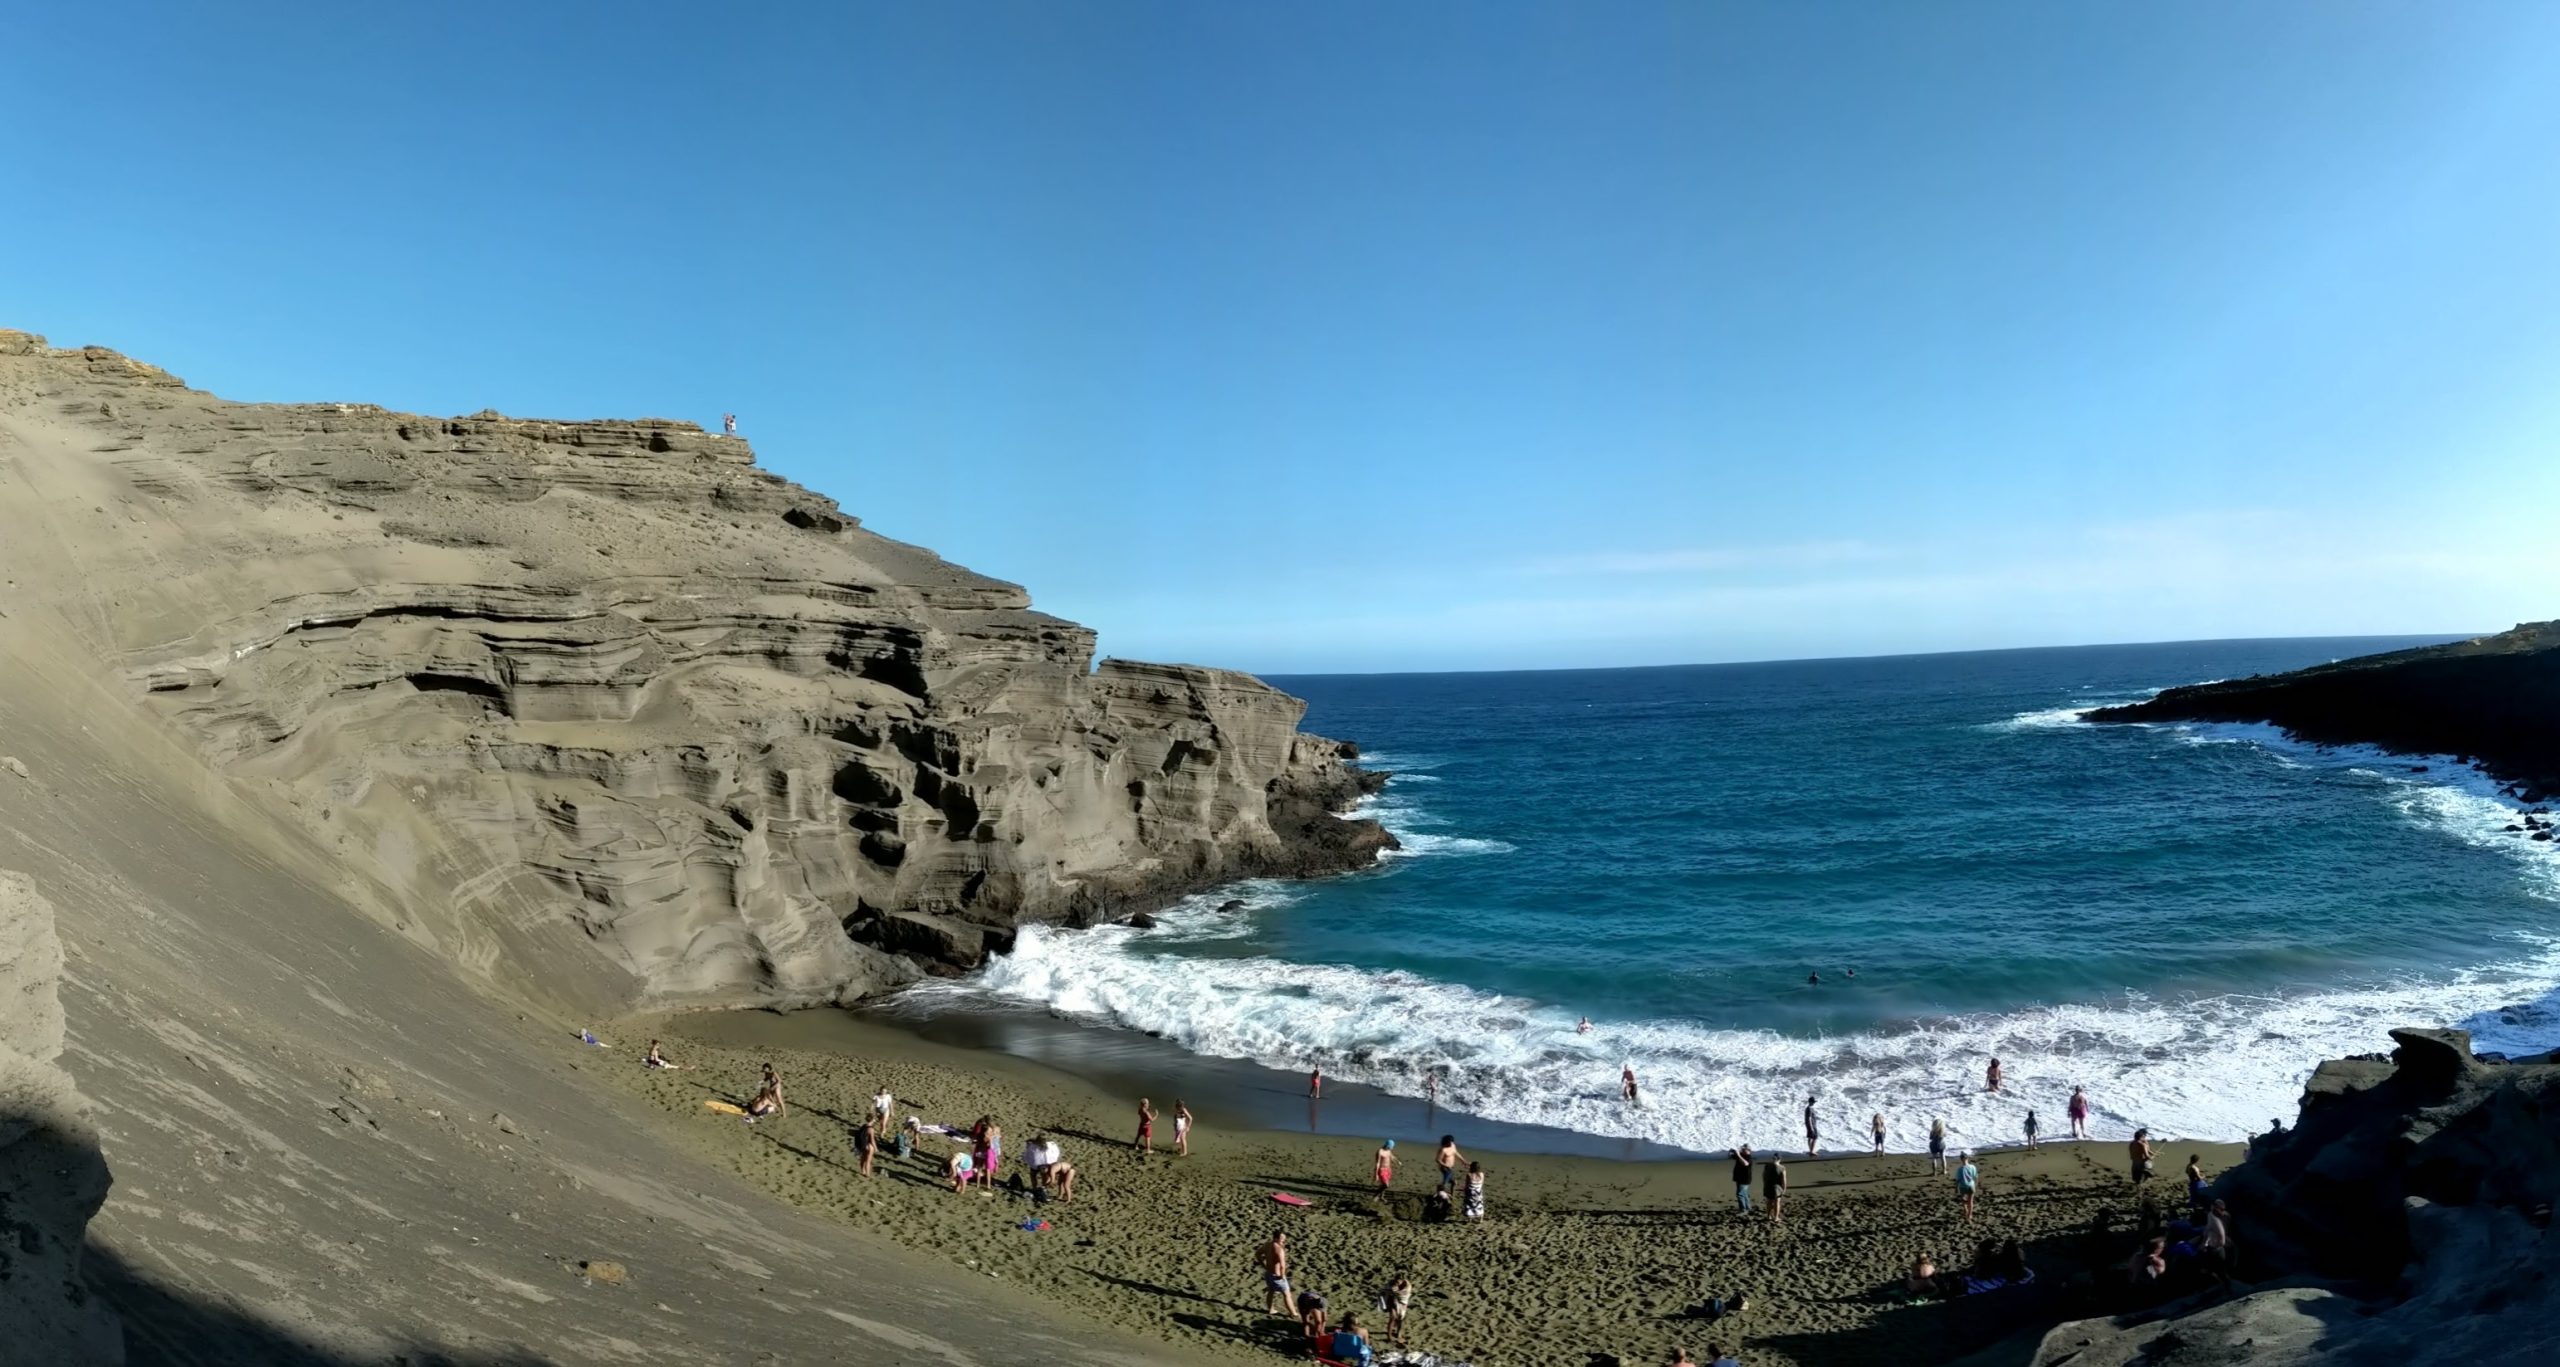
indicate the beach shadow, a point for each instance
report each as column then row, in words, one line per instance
column 1150, row 1288
column 165, row 1327
column 1310, row 1184
column 1272, row 1333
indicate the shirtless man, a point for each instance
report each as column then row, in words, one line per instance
column 1386, row 1165
column 2078, row 1111
column 2140, row 1151
column 1273, row 1260
column 1449, row 1158
column 1145, row 1143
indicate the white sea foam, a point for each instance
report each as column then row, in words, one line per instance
column 2044, row 719
column 2209, row 1068
column 2212, row 1067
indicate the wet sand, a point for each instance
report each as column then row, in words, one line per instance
column 1578, row 1256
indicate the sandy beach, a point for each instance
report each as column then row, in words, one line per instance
column 1579, row 1259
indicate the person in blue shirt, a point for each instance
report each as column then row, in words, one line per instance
column 1348, row 1343
column 1968, row 1179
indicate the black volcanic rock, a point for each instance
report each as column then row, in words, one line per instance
column 2494, row 698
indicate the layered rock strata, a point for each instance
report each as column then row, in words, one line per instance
column 603, row 708
column 2493, row 699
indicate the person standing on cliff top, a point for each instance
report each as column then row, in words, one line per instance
column 1145, row 1143
column 728, row 424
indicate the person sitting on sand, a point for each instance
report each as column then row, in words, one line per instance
column 1386, row 1165
column 1878, row 1126
column 2140, row 1151
column 1449, row 1158
column 866, row 1144
column 1273, row 1261
column 1938, row 1146
column 1475, row 1191
column 1348, row 1344
column 1399, row 1301
column 1773, row 1188
column 2031, row 1127
column 1718, row 1357
column 1922, row 1279
column 1968, row 1179
column 906, row 1145
column 1311, row 1308
column 1145, row 1143
column 1812, row 1130
column 655, row 1059
column 2078, row 1112
column 1991, row 1077
column 1742, row 1179
column 1627, row 1084
column 2195, row 1181
column 959, row 1169
column 1181, row 1128
column 768, row 1099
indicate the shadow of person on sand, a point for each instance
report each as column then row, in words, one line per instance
column 1152, row 1289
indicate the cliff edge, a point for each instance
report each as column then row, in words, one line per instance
column 604, row 711
column 2493, row 700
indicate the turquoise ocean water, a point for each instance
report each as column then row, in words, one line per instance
column 2183, row 919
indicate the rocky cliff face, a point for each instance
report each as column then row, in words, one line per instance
column 2406, row 1219
column 607, row 710
column 52, row 1176
column 2494, row 699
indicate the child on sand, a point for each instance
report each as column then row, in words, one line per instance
column 1145, row 1143
column 1399, row 1303
column 1386, row 1165
column 1879, row 1129
column 1181, row 1128
column 1475, row 1191
column 959, row 1169
column 1315, row 1084
column 2031, row 1127
column 1968, row 1178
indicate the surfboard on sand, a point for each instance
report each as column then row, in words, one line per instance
column 1286, row 1199
column 724, row 1107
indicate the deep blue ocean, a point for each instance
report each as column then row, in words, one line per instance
column 2183, row 919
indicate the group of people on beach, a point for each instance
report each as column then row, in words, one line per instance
column 1340, row 1341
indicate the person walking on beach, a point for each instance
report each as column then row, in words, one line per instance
column 2031, row 1127
column 1386, row 1165
column 1991, row 1077
column 1145, row 1143
column 1812, row 1131
column 1273, row 1260
column 1315, row 1084
column 1878, row 1125
column 1627, row 1084
column 1475, row 1191
column 1742, row 1179
column 2140, row 1152
column 1773, row 1187
column 2078, row 1112
column 1968, row 1178
column 1938, row 1145
column 1448, row 1158
column 1181, row 1128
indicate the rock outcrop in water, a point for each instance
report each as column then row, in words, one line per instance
column 2406, row 1219
column 2493, row 699
column 52, row 1176
column 603, row 709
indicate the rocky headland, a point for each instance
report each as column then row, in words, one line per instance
column 605, row 711
column 2405, row 1219
column 2493, row 701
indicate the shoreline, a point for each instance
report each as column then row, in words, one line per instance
column 1580, row 1253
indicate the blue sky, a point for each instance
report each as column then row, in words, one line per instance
column 1353, row 336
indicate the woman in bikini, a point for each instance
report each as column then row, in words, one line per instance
column 1181, row 1128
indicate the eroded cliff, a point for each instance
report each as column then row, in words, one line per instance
column 605, row 710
